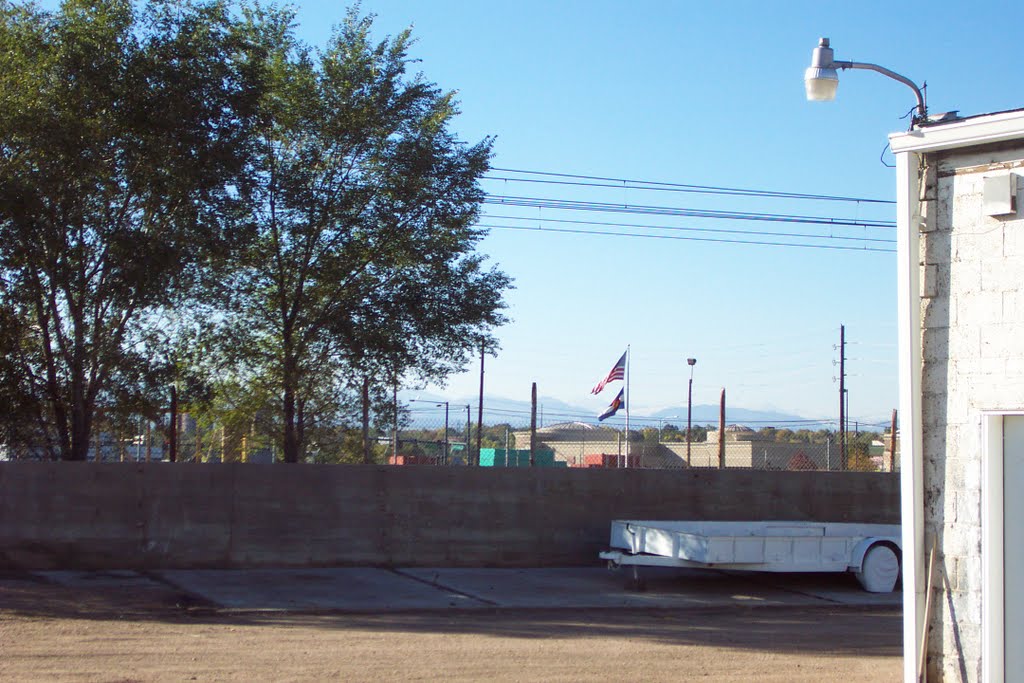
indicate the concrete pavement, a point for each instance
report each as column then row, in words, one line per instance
column 364, row 589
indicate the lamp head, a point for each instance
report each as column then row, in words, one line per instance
column 821, row 78
column 691, row 361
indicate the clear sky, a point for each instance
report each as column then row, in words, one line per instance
column 701, row 93
column 698, row 93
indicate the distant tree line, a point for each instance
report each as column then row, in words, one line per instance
column 196, row 207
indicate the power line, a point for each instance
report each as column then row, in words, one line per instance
column 676, row 187
column 606, row 207
column 693, row 239
column 688, row 229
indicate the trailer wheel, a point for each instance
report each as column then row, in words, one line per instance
column 879, row 570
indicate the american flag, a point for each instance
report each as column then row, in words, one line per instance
column 618, row 372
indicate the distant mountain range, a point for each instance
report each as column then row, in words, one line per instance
column 552, row 411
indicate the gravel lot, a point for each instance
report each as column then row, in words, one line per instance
column 149, row 631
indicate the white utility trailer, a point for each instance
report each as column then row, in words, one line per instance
column 871, row 551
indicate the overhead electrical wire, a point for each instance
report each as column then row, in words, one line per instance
column 620, row 183
column 808, row 240
column 608, row 207
column 692, row 239
column 688, row 229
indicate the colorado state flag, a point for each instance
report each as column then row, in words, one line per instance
column 613, row 408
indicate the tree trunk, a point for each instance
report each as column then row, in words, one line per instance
column 300, row 427
column 292, row 437
column 291, row 441
column 367, row 457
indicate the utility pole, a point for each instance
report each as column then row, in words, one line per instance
column 480, row 406
column 721, row 431
column 842, row 397
column 469, row 458
column 533, row 423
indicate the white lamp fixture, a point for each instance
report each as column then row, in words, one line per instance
column 821, row 79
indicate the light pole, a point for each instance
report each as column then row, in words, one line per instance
column 689, row 408
column 821, row 81
column 444, row 460
column 661, row 423
column 821, row 78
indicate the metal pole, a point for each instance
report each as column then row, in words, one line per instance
column 689, row 412
column 689, row 417
column 626, row 463
column 480, row 407
column 173, row 431
column 842, row 397
column 533, row 423
column 892, row 443
column 445, row 432
column 721, row 432
column 469, row 458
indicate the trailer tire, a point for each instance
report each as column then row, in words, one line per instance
column 879, row 570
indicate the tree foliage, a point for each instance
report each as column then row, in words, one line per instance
column 119, row 136
column 361, row 202
column 191, row 196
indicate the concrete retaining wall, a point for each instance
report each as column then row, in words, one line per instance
column 82, row 515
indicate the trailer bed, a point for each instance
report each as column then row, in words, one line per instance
column 871, row 551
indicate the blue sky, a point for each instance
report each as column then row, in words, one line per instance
column 697, row 93
column 705, row 93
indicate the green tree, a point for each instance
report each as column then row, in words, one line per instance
column 362, row 204
column 120, row 135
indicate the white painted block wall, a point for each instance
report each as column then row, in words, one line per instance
column 972, row 307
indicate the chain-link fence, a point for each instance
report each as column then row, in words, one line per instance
column 582, row 445
column 432, row 440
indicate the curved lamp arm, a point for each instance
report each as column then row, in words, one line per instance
column 922, row 110
column 822, row 80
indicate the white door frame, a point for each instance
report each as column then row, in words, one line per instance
column 992, row 595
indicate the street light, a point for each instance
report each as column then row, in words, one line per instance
column 821, row 78
column 689, row 408
column 439, row 404
column 662, row 421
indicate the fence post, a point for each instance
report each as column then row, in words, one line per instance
column 721, row 432
column 172, row 431
column 892, row 444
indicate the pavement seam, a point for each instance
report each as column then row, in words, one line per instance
column 438, row 584
column 764, row 581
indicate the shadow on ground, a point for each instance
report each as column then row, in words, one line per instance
column 864, row 630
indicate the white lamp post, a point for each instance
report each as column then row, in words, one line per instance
column 821, row 79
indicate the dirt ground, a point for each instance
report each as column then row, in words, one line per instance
column 55, row 633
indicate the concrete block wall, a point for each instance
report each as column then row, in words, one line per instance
column 972, row 306
column 148, row 515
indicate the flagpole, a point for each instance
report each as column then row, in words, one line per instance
column 626, row 464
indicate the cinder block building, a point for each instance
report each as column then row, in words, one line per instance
column 961, row 319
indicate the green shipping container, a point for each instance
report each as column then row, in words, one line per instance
column 518, row 457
